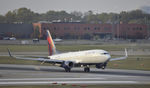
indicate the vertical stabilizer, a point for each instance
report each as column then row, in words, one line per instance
column 51, row 45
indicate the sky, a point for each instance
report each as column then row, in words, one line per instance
column 97, row 6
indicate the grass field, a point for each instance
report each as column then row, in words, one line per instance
column 42, row 48
column 143, row 63
column 80, row 86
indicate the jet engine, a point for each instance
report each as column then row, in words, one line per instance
column 68, row 64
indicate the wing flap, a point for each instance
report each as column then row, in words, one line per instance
column 36, row 59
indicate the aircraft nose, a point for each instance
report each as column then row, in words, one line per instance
column 108, row 56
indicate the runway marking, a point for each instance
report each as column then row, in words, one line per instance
column 69, row 82
column 106, row 75
column 50, row 79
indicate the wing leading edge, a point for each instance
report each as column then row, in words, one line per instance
column 36, row 59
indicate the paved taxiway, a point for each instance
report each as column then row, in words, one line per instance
column 40, row 75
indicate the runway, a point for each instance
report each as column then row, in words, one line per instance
column 50, row 75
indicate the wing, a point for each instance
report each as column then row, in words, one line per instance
column 48, row 60
column 120, row 58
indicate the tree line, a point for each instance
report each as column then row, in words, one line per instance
column 25, row 15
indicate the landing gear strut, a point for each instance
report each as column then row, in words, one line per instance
column 67, row 69
column 86, row 69
column 105, row 64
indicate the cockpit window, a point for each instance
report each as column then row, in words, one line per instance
column 105, row 53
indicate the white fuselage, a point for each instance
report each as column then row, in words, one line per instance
column 89, row 56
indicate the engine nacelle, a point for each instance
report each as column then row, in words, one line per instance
column 68, row 64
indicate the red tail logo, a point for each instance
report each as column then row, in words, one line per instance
column 51, row 45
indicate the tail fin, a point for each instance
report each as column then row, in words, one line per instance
column 51, row 45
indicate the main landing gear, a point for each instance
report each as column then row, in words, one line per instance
column 86, row 69
column 67, row 69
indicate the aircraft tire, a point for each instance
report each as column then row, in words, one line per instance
column 86, row 69
column 67, row 69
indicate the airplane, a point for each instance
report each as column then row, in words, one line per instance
column 68, row 60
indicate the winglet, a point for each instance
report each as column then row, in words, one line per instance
column 9, row 52
column 126, row 54
column 120, row 58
